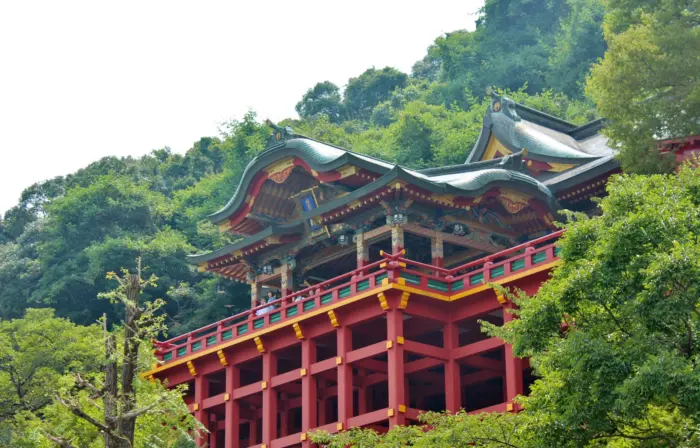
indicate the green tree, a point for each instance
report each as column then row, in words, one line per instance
column 648, row 84
column 113, row 400
column 35, row 351
column 372, row 87
column 323, row 99
column 577, row 46
column 626, row 368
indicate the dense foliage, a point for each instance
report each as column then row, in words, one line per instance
column 648, row 85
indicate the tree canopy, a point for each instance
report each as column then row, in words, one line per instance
column 648, row 84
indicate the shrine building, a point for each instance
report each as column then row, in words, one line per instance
column 382, row 275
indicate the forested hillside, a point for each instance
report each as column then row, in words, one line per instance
column 65, row 233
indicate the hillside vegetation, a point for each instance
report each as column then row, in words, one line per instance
column 65, row 233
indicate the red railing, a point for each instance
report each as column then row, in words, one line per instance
column 453, row 281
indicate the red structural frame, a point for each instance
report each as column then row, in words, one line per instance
column 341, row 354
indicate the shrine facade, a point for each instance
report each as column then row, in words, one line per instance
column 381, row 275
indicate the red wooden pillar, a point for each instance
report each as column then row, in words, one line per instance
column 201, row 391
column 213, row 431
column 253, row 428
column 397, row 391
column 322, row 411
column 453, row 387
column 308, row 388
column 514, row 367
column 232, row 408
column 362, row 393
column 269, row 399
column 344, row 334
column 284, row 415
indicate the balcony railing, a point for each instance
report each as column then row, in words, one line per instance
column 451, row 282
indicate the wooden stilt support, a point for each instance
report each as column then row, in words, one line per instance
column 269, row 408
column 309, row 403
column 201, row 392
column 453, row 389
column 232, row 408
column 344, row 335
column 397, row 392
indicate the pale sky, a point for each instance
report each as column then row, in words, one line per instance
column 84, row 80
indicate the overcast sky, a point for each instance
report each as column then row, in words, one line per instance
column 83, row 80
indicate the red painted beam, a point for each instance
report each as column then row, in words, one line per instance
column 290, row 440
column 421, row 364
column 427, row 350
column 245, row 391
column 373, row 365
column 431, row 310
column 483, row 363
column 369, row 418
column 366, row 352
column 478, row 347
column 288, row 377
column 322, row 366
column 482, row 303
column 500, row 407
column 480, row 377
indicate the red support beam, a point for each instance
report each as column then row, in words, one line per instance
column 344, row 345
column 232, row 408
column 397, row 390
column 453, row 388
column 201, row 393
column 426, row 350
column 514, row 368
column 309, row 418
column 480, row 362
column 269, row 407
column 478, row 348
column 366, row 352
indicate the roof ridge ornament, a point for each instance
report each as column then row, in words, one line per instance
column 514, row 162
column 502, row 104
column 279, row 135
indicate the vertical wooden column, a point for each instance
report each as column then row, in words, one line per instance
column 322, row 402
column 269, row 399
column 213, row 431
column 232, row 408
column 308, row 389
column 396, row 238
column 362, row 393
column 255, row 288
column 287, row 275
column 362, row 248
column 201, row 391
column 284, row 414
column 514, row 366
column 253, row 428
column 453, row 387
column 397, row 381
column 437, row 253
column 344, row 334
